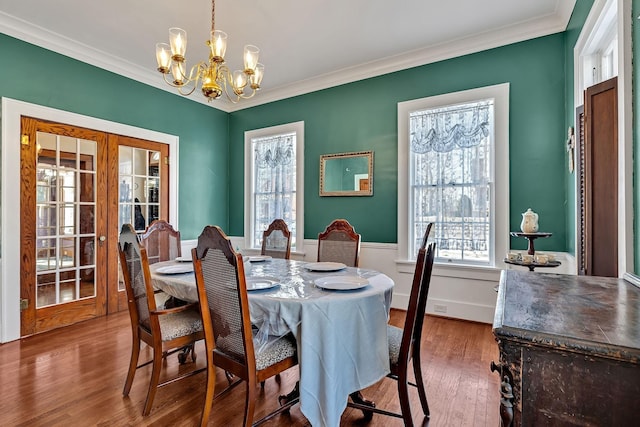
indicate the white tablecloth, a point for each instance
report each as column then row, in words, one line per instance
column 341, row 335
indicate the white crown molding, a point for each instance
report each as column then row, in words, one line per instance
column 521, row 31
column 499, row 37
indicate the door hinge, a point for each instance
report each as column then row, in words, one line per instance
column 24, row 139
column 166, row 160
column 24, row 304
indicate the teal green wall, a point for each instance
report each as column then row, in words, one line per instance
column 354, row 117
column 32, row 74
column 578, row 18
column 363, row 116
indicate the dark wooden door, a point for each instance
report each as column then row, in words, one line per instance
column 599, row 178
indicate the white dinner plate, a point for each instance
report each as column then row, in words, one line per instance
column 341, row 283
column 260, row 283
column 175, row 269
column 259, row 258
column 325, row 266
column 183, row 259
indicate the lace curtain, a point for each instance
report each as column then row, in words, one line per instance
column 275, row 182
column 451, row 163
column 274, row 151
column 442, row 130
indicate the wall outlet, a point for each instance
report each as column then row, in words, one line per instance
column 440, row 308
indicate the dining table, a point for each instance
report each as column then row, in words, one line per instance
column 337, row 314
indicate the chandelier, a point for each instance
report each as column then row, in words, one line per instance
column 212, row 76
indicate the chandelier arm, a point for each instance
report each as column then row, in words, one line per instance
column 225, row 78
column 197, row 70
column 181, row 92
column 180, row 88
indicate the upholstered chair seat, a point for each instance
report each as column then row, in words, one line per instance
column 394, row 336
column 176, row 325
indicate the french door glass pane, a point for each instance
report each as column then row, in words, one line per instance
column 139, row 189
column 65, row 219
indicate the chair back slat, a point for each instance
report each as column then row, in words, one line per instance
column 414, row 320
column 132, row 261
column 424, row 293
column 276, row 240
column 161, row 241
column 220, row 280
column 339, row 243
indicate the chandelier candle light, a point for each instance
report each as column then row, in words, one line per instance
column 212, row 76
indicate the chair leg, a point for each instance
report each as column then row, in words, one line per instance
column 184, row 353
column 250, row 402
column 359, row 399
column 133, row 365
column 403, row 395
column 211, row 384
column 153, row 382
column 230, row 377
column 417, row 370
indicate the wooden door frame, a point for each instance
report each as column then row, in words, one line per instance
column 12, row 110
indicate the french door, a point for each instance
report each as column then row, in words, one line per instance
column 72, row 207
column 141, row 187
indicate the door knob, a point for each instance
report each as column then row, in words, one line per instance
column 102, row 239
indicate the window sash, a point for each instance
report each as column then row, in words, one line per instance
column 494, row 189
column 273, row 181
column 450, row 161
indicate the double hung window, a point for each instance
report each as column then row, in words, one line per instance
column 452, row 162
column 273, row 181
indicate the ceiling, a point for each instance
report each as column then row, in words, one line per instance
column 304, row 45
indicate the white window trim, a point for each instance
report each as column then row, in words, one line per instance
column 500, row 203
column 298, row 128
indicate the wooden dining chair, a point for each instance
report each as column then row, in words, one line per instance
column 228, row 333
column 339, row 242
column 164, row 330
column 276, row 240
column 161, row 241
column 404, row 343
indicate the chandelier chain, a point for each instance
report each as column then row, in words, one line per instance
column 213, row 15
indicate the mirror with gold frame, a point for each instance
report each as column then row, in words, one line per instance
column 346, row 174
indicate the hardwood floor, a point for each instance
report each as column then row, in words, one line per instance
column 74, row 376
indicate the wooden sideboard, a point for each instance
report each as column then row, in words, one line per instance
column 569, row 350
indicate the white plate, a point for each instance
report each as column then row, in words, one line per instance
column 175, row 269
column 259, row 258
column 260, row 283
column 341, row 283
column 325, row 266
column 183, row 259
